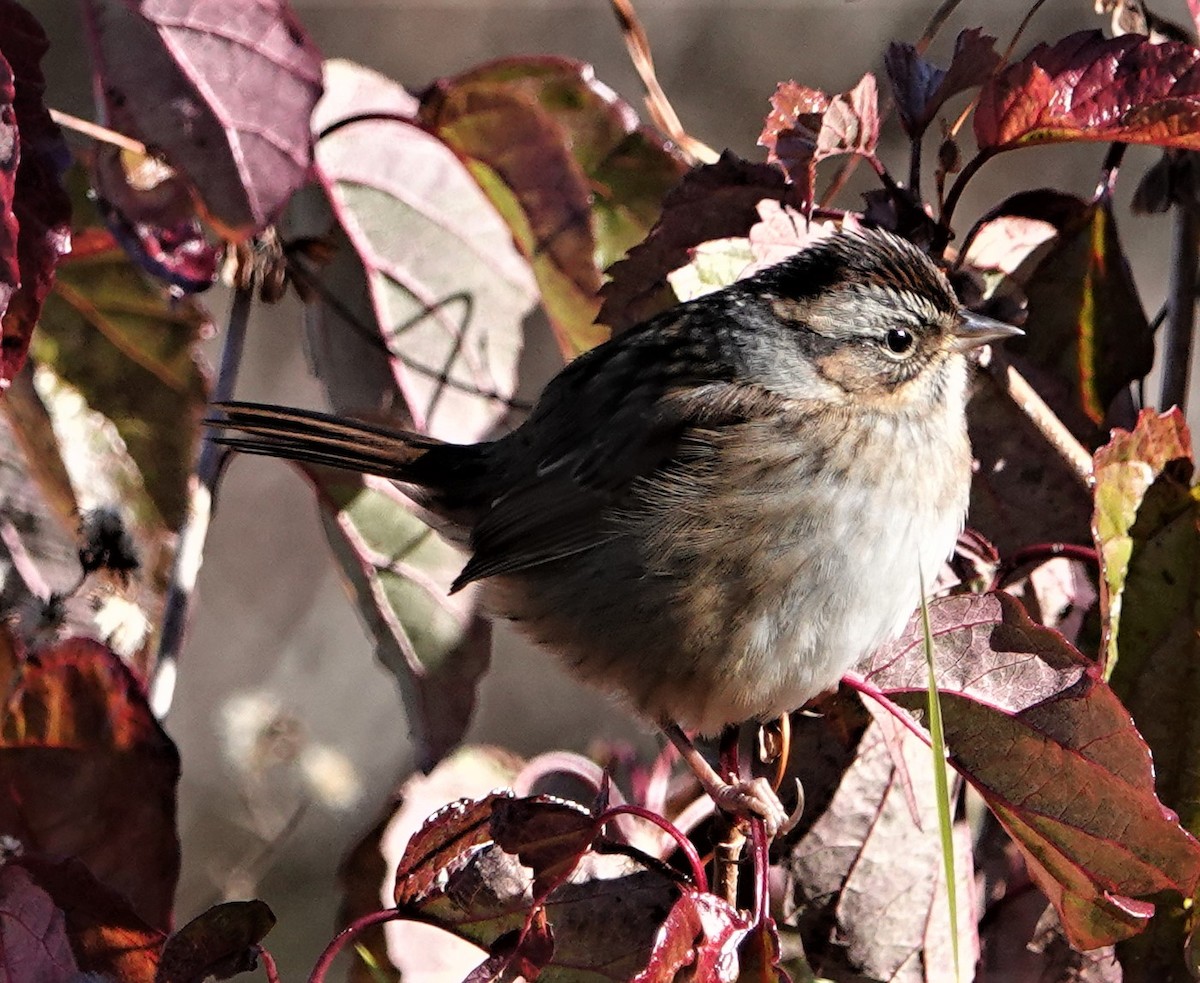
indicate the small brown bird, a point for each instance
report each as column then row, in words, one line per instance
column 716, row 513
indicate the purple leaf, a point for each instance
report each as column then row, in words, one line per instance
column 921, row 88
column 225, row 91
column 1032, row 726
column 33, row 938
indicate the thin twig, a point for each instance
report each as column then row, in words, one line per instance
column 1181, row 314
column 189, row 553
column 657, row 103
column 97, row 132
column 1042, row 417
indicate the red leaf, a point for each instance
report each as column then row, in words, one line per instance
column 33, row 938
column 76, row 713
column 698, row 941
column 106, row 936
column 548, row 836
column 150, row 210
column 445, row 836
column 921, row 88
column 35, row 231
column 805, row 126
column 1030, row 723
column 714, row 201
column 1087, row 87
column 224, row 91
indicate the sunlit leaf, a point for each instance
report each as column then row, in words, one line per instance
column 224, row 93
column 806, row 126
column 569, row 167
column 1088, row 87
column 449, row 290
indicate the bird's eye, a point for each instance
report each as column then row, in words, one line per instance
column 899, row 341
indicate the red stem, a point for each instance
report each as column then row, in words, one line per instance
column 348, row 933
column 762, row 868
column 268, row 964
column 699, row 878
column 1042, row 553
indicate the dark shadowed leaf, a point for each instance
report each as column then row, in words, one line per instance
column 436, row 644
column 1085, row 322
column 225, row 93
column 517, row 955
column 131, row 352
column 805, row 126
column 106, row 936
column 921, row 88
column 1032, row 726
column 34, row 232
column 75, row 712
column 866, row 878
column 150, row 210
column 567, row 164
column 714, row 201
column 1023, row 492
column 1147, row 526
column 449, row 290
column 220, row 943
column 1088, row 87
column 33, row 935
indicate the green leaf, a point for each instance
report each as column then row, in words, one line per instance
column 1147, row 527
column 568, row 166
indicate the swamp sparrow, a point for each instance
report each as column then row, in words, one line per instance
column 716, row 513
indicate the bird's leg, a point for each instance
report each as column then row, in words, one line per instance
column 741, row 797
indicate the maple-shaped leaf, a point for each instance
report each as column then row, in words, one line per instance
column 921, row 88
column 1091, row 88
column 567, row 164
column 90, row 772
column 1030, row 723
column 35, row 227
column 805, row 126
column 224, row 92
column 713, row 201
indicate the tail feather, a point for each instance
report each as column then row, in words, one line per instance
column 318, row 438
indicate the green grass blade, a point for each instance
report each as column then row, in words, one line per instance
column 941, row 784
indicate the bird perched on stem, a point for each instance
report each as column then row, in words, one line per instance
column 716, row 513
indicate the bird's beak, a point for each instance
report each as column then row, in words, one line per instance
column 974, row 330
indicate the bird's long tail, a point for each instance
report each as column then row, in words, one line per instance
column 319, row 438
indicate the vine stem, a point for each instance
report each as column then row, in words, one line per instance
column 189, row 553
column 97, row 132
column 351, row 931
column 1181, row 306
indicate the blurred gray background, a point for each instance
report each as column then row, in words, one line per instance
column 275, row 638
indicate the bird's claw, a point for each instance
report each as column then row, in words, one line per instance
column 756, row 798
